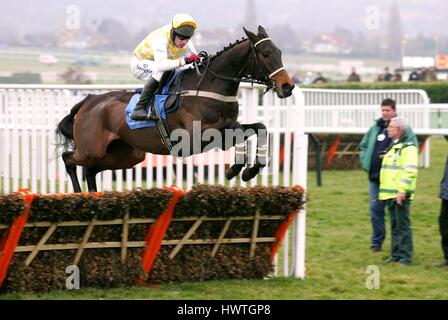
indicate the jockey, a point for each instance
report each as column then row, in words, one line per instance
column 164, row 49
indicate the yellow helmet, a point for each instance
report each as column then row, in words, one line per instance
column 184, row 25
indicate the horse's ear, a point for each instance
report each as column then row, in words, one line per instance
column 262, row 31
column 252, row 37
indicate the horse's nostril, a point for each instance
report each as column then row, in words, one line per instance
column 287, row 88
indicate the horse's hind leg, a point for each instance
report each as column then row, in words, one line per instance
column 262, row 150
column 70, row 166
column 91, row 181
column 119, row 155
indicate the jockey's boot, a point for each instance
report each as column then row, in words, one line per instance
column 140, row 113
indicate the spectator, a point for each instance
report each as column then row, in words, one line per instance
column 414, row 76
column 296, row 78
column 320, row 79
column 398, row 179
column 354, row 77
column 429, row 75
column 397, row 76
column 443, row 218
column 373, row 144
column 309, row 78
column 387, row 76
column 422, row 74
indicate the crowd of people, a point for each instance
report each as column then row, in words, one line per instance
column 420, row 74
column 423, row 74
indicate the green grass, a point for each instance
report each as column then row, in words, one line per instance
column 15, row 60
column 337, row 254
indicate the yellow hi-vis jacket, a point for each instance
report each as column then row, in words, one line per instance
column 399, row 170
column 159, row 47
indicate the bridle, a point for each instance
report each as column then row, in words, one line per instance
column 262, row 71
column 266, row 78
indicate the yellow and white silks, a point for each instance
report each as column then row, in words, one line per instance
column 157, row 53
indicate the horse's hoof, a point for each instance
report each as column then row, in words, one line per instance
column 230, row 174
column 249, row 173
column 233, row 171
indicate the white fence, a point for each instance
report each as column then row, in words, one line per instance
column 354, row 112
column 29, row 115
column 28, row 119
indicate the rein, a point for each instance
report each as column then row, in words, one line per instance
column 267, row 81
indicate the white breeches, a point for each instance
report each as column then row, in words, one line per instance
column 144, row 69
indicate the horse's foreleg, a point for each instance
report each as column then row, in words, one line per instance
column 262, row 150
column 240, row 161
column 240, row 150
column 70, row 167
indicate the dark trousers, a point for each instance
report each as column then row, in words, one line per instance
column 443, row 225
column 401, row 231
column 376, row 215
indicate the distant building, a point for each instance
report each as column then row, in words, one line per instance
column 328, row 43
column 48, row 59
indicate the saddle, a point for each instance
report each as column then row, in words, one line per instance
column 165, row 100
column 168, row 92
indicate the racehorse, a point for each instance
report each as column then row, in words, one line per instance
column 102, row 140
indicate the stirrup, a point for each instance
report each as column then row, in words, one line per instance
column 148, row 117
column 152, row 117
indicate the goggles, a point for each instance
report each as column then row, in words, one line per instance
column 182, row 37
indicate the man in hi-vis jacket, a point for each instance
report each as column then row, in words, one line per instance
column 398, row 180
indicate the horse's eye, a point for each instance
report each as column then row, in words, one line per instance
column 266, row 53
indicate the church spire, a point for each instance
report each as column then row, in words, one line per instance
column 250, row 20
column 394, row 32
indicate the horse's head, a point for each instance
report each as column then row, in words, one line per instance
column 269, row 59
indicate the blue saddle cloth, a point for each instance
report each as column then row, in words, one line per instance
column 159, row 101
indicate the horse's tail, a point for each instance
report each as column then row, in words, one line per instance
column 64, row 129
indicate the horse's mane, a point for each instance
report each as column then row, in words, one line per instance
column 227, row 48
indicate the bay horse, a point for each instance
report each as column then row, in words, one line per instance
column 102, row 140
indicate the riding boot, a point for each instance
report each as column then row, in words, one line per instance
column 140, row 112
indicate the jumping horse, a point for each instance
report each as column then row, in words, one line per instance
column 101, row 139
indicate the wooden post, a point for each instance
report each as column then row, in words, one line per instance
column 124, row 237
column 253, row 243
column 42, row 241
column 186, row 237
column 221, row 236
column 83, row 243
